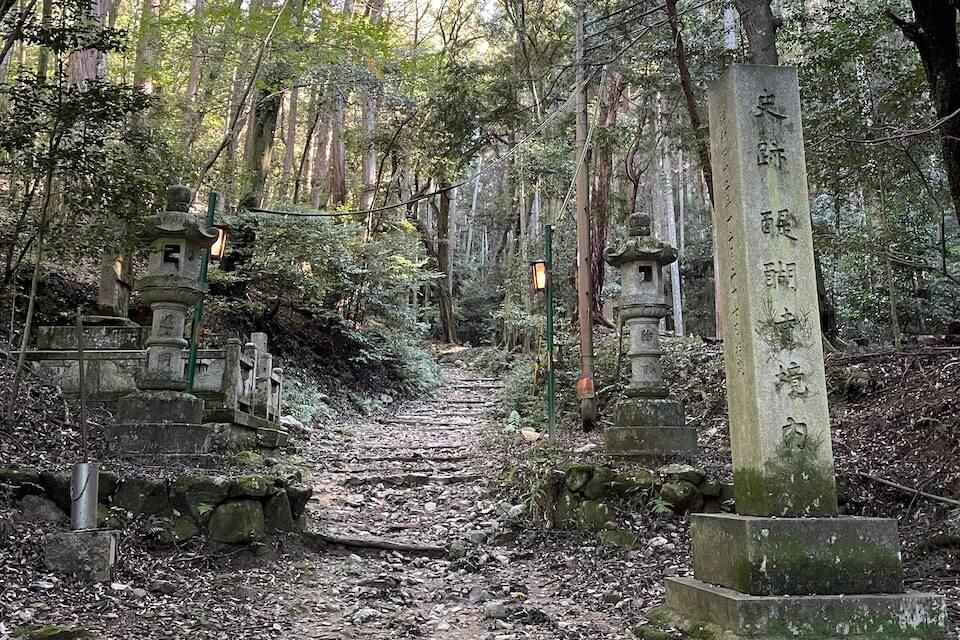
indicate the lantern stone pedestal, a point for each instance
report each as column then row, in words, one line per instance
column 160, row 417
column 647, row 423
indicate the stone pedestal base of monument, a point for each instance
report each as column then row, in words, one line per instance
column 802, row 578
column 89, row 555
column 649, row 427
column 160, row 422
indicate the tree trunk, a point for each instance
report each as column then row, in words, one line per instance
column 338, row 178
column 689, row 97
column 320, row 169
column 265, row 111
column 438, row 256
column 934, row 32
column 306, row 157
column 143, row 68
column 760, row 25
column 666, row 193
column 289, row 143
column 87, row 64
column 601, row 196
column 196, row 54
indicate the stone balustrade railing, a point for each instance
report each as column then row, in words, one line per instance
column 238, row 383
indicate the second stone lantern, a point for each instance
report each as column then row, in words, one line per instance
column 647, row 422
column 160, row 417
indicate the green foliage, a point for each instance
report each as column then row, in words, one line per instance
column 660, row 507
column 74, row 155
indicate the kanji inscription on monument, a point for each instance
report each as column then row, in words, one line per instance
column 779, row 425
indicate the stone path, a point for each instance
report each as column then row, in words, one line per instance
column 423, row 477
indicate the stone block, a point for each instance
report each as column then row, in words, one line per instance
column 159, row 438
column 197, row 495
column 648, row 412
column 157, row 407
column 681, row 496
column 40, row 509
column 797, row 556
column 142, row 495
column 299, row 495
column 876, row 616
column 650, row 442
column 773, row 357
column 90, row 555
column 630, row 483
column 238, row 522
column 64, row 338
column 277, row 514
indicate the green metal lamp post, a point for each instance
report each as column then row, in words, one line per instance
column 198, row 307
column 542, row 281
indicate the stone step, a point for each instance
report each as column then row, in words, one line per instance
column 410, row 479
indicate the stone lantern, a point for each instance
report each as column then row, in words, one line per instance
column 160, row 417
column 647, row 422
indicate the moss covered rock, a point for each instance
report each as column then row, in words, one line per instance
column 107, row 520
column 599, row 486
column 198, row 495
column 620, row 538
column 237, row 522
column 567, row 510
column 57, row 487
column 299, row 495
column 682, row 496
column 594, row 515
column 649, row 633
column 142, row 496
column 633, row 482
column 252, row 485
column 17, row 475
column 107, row 483
column 277, row 514
column 578, row 476
column 677, row 472
column 184, row 528
column 52, row 633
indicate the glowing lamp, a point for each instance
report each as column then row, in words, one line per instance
column 540, row 275
column 220, row 245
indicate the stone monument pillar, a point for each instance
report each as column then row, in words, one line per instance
column 647, row 422
column 785, row 565
column 159, row 417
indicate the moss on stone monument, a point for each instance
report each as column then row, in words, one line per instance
column 774, row 492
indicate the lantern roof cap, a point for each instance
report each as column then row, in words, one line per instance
column 176, row 221
column 639, row 245
column 179, row 197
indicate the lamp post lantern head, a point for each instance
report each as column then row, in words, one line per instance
column 541, row 274
column 219, row 247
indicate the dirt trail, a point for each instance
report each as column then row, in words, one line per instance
column 422, row 477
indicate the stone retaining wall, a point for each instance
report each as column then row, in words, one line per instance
column 237, row 509
column 584, row 496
